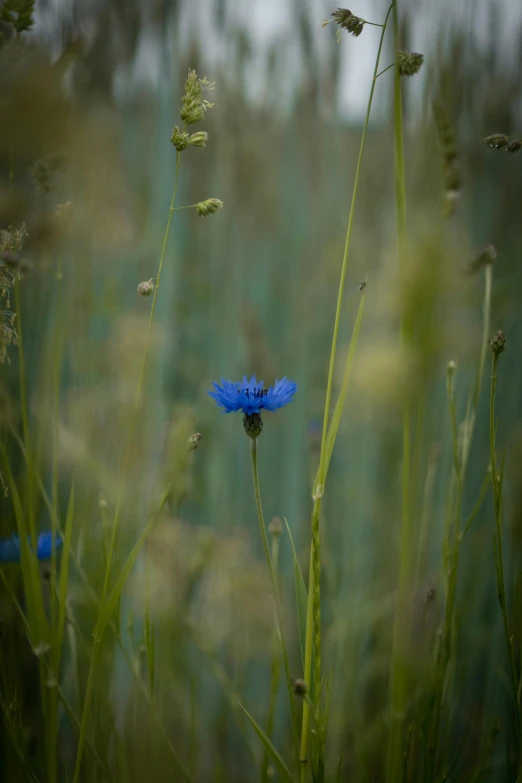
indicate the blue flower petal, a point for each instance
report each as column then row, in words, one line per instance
column 250, row 396
column 280, row 394
column 44, row 545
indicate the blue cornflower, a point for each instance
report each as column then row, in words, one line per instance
column 10, row 547
column 251, row 397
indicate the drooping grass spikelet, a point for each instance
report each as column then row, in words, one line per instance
column 409, row 63
column 496, row 141
column 208, row 207
column 348, row 21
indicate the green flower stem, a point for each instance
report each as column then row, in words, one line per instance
column 275, row 588
column 313, row 604
column 125, row 465
column 275, row 669
column 496, row 482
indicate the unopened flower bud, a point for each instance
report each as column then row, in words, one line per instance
column 146, row 288
column 299, row 687
column 275, row 528
column 208, row 207
column 198, row 139
column 486, row 255
column 253, row 424
column 194, row 441
column 409, row 62
column 498, row 342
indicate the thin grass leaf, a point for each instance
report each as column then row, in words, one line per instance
column 276, row 758
column 339, row 406
column 301, row 596
column 29, row 564
column 64, row 579
column 112, row 600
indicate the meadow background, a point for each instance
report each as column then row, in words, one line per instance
column 87, row 108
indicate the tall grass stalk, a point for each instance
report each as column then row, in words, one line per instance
column 275, row 664
column 400, row 629
column 123, row 478
column 313, row 614
column 497, row 478
column 454, row 530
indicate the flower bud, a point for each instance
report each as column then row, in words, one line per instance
column 253, row 425
column 451, row 369
column 486, row 255
column 146, row 288
column 299, row 687
column 498, row 342
column 194, row 441
column 208, row 207
column 275, row 528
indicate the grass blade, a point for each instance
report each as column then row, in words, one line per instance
column 300, row 595
column 276, row 758
column 113, row 598
column 339, row 406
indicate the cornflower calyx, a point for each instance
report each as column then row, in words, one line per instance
column 253, row 425
column 193, row 105
column 409, row 62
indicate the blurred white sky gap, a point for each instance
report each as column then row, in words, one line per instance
column 270, row 26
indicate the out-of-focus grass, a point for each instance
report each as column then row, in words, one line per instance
column 253, row 289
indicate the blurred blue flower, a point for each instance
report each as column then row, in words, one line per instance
column 250, row 397
column 10, row 547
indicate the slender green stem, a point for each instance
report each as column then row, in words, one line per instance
column 123, row 477
column 275, row 588
column 385, row 69
column 401, row 623
column 313, row 582
column 496, row 482
column 275, row 668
